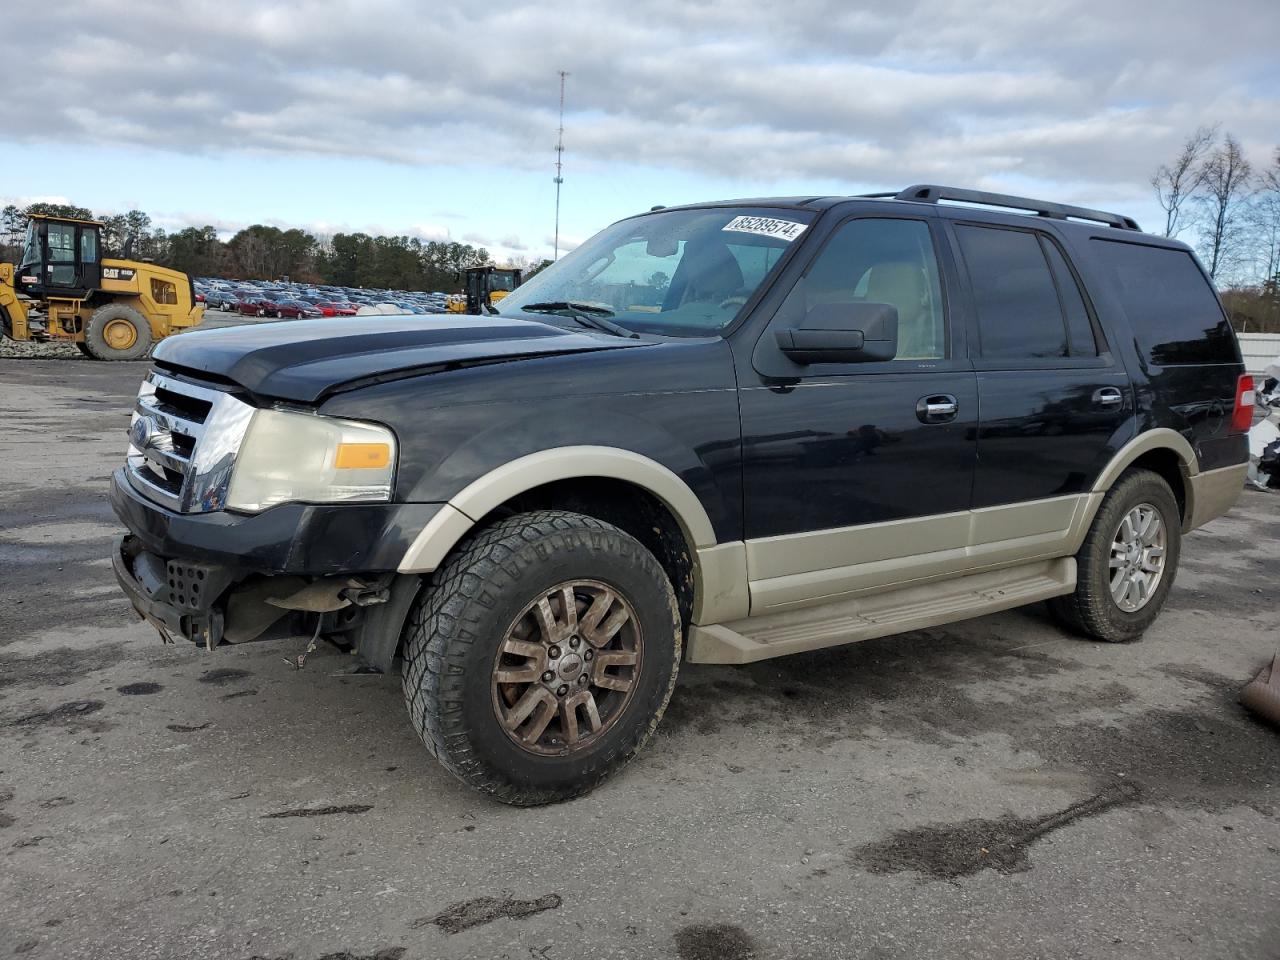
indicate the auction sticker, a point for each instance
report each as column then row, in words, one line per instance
column 786, row 230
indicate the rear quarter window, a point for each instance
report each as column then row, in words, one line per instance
column 1173, row 310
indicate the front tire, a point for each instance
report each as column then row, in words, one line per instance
column 1127, row 563
column 542, row 657
column 116, row 331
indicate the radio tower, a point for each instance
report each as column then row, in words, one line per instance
column 560, row 161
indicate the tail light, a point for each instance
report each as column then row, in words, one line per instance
column 1242, row 414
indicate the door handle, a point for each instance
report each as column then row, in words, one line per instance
column 939, row 408
column 1108, row 397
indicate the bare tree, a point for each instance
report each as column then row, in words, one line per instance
column 1177, row 182
column 1227, row 182
column 1264, row 216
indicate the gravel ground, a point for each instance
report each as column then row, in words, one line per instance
column 992, row 789
column 13, row 350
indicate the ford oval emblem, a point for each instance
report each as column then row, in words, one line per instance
column 143, row 431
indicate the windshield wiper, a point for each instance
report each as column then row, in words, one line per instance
column 587, row 314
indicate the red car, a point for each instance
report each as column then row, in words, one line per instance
column 336, row 308
column 256, row 307
column 297, row 309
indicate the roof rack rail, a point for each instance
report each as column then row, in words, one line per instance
column 932, row 193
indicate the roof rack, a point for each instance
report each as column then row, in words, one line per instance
column 932, row 193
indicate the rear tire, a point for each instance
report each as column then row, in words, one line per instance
column 490, row 652
column 1095, row 609
column 117, row 332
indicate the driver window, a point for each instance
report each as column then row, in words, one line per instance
column 883, row 261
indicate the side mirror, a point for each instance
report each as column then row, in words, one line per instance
column 843, row 333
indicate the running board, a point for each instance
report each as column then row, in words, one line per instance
column 897, row 611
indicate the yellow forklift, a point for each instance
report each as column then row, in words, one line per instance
column 63, row 290
column 485, row 286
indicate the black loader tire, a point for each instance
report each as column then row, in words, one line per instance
column 1091, row 609
column 457, row 629
column 96, row 344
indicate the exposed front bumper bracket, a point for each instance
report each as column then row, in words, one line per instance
column 177, row 597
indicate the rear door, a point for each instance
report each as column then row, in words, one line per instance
column 1055, row 400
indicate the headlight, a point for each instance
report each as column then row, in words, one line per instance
column 297, row 456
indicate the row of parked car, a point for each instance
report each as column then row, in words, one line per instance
column 296, row 301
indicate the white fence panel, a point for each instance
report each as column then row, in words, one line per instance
column 1259, row 349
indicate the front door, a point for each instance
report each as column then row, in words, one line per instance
column 62, row 261
column 859, row 475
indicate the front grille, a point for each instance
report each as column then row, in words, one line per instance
column 183, row 441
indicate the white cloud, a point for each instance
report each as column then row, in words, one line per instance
column 1093, row 94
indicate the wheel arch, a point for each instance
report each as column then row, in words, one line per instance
column 632, row 491
column 1162, row 451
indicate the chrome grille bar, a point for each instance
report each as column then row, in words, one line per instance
column 150, row 407
column 181, row 454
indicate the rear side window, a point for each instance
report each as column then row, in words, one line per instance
column 1019, row 315
column 1173, row 310
column 1079, row 328
column 162, row 291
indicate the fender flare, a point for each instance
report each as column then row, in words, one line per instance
column 1160, row 438
column 471, row 504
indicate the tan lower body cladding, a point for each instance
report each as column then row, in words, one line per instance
column 778, row 595
column 883, row 613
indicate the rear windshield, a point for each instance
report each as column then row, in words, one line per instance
column 1173, row 310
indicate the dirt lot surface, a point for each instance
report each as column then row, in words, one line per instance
column 992, row 789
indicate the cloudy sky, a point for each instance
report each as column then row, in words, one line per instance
column 439, row 120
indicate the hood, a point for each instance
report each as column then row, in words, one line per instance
column 303, row 360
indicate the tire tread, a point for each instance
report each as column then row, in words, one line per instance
column 445, row 624
column 1090, row 609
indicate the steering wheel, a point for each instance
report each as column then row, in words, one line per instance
column 736, row 299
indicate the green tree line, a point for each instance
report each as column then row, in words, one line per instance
column 262, row 252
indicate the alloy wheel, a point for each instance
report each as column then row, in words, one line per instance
column 1137, row 558
column 567, row 668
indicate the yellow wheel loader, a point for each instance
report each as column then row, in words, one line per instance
column 485, row 286
column 63, row 290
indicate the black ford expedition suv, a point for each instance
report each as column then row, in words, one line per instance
column 720, row 432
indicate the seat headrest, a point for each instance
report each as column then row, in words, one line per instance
column 900, row 284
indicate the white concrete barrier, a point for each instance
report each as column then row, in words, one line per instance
column 1259, row 349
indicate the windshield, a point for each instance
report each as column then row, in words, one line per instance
column 502, row 280
column 31, row 246
column 679, row 272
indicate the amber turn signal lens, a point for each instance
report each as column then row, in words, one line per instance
column 362, row 456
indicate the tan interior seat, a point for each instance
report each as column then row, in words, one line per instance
column 902, row 285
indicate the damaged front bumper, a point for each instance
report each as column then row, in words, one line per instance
column 221, row 577
column 211, row 604
column 148, row 581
